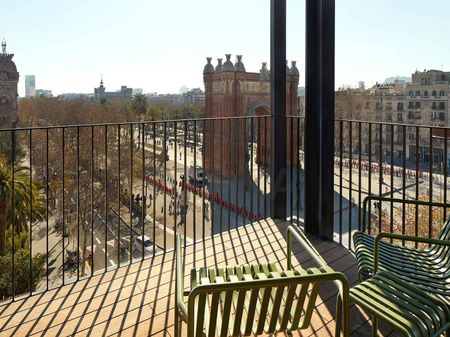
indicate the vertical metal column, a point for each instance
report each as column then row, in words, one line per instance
column 312, row 117
column 319, row 119
column 327, row 120
column 278, row 108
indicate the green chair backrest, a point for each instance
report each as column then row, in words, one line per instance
column 254, row 299
column 444, row 233
column 439, row 254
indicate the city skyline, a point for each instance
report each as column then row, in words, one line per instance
column 137, row 46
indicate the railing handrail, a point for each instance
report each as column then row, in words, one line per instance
column 162, row 121
column 198, row 119
column 390, row 123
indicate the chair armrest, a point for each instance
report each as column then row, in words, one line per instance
column 340, row 279
column 305, row 243
column 402, row 237
column 179, row 280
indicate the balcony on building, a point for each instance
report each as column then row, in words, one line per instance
column 112, row 198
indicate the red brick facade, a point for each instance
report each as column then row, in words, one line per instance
column 233, row 92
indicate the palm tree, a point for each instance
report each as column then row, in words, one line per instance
column 15, row 185
column 139, row 104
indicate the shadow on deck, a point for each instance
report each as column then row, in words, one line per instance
column 138, row 299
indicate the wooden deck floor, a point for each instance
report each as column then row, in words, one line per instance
column 137, row 300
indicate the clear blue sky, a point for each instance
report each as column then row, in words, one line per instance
column 161, row 45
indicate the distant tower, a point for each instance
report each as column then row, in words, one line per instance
column 30, row 86
column 100, row 91
column 9, row 78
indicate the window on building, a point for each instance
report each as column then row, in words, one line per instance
column 411, row 94
column 434, row 94
column 417, row 93
column 442, row 116
column 399, row 116
column 417, row 105
column 411, row 105
column 441, row 93
column 410, row 114
column 400, row 106
column 433, row 105
column 425, row 93
column 433, row 115
column 441, row 105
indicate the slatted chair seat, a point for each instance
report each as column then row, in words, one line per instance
column 409, row 310
column 425, row 269
column 255, row 299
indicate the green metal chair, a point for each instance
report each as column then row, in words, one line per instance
column 411, row 311
column 408, row 287
column 256, row 299
column 428, row 269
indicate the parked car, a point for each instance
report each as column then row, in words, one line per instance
column 197, row 176
column 143, row 242
column 139, row 242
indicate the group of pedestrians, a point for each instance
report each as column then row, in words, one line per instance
column 375, row 168
column 199, row 191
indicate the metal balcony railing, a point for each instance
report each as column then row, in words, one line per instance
column 414, row 168
column 91, row 198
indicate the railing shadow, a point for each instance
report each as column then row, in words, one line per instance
column 138, row 299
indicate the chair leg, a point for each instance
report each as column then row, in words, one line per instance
column 338, row 316
column 374, row 326
column 177, row 324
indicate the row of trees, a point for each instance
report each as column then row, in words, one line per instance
column 44, row 111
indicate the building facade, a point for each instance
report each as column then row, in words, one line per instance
column 231, row 91
column 43, row 93
column 195, row 95
column 422, row 102
column 9, row 78
column 124, row 93
column 427, row 103
column 30, row 86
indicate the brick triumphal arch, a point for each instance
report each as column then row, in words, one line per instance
column 231, row 91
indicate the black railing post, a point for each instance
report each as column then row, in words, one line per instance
column 278, row 158
column 319, row 118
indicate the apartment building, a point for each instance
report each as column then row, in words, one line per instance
column 424, row 101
